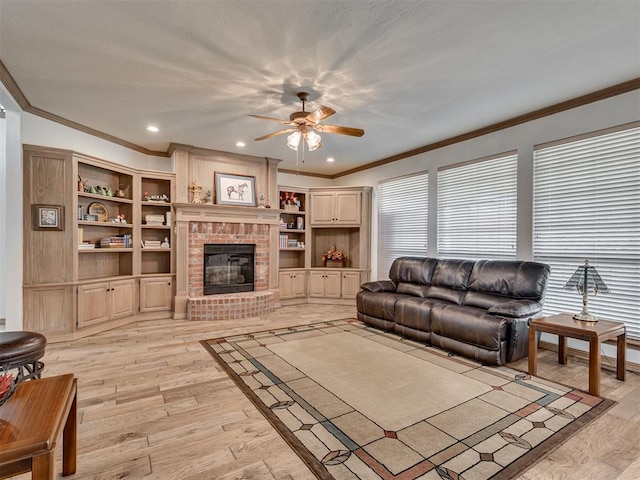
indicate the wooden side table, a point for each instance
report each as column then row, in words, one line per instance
column 30, row 425
column 565, row 326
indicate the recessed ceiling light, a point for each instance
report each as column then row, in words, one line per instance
column 153, row 128
column 330, row 159
column 240, row 144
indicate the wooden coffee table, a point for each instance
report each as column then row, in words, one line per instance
column 565, row 326
column 30, row 425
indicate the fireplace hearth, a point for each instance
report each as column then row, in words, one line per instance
column 228, row 268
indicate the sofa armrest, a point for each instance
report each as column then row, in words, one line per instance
column 382, row 286
column 516, row 308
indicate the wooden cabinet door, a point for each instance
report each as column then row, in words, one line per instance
column 155, row 294
column 122, row 299
column 322, row 208
column 348, row 208
column 285, row 282
column 299, row 284
column 93, row 304
column 350, row 284
column 316, row 284
column 333, row 283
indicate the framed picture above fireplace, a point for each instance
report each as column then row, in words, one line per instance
column 235, row 189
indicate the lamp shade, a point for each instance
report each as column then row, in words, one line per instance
column 313, row 140
column 293, row 140
column 587, row 281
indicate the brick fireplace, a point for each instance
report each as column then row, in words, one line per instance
column 201, row 224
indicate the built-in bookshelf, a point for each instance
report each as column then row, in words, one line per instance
column 111, row 260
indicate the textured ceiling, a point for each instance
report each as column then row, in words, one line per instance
column 408, row 73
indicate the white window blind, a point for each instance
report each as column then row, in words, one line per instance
column 402, row 219
column 587, row 206
column 477, row 209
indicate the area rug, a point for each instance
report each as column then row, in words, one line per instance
column 358, row 403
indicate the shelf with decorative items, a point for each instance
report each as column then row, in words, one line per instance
column 293, row 228
column 156, row 233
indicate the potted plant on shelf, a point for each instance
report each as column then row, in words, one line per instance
column 334, row 258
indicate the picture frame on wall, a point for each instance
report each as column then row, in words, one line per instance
column 235, row 189
column 48, row 217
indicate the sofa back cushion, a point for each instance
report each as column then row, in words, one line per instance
column 416, row 270
column 512, row 279
column 452, row 273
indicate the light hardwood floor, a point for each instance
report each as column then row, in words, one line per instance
column 153, row 404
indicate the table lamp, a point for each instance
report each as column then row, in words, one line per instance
column 587, row 281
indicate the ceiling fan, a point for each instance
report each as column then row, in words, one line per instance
column 305, row 125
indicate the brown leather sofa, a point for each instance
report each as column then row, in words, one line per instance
column 478, row 309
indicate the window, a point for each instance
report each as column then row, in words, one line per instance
column 587, row 206
column 402, row 219
column 477, row 207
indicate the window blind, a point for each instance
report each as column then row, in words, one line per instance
column 587, row 206
column 477, row 209
column 402, row 219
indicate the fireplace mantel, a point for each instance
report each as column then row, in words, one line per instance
column 193, row 220
column 203, row 212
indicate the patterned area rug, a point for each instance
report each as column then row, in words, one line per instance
column 359, row 403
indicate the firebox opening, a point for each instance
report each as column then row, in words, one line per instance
column 228, row 268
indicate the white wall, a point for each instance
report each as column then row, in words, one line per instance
column 292, row 180
column 42, row 132
column 3, row 213
column 595, row 116
column 11, row 215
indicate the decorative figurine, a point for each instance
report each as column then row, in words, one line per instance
column 165, row 243
column 195, row 190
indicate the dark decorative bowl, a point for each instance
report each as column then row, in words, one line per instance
column 9, row 382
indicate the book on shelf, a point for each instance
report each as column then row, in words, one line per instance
column 86, row 246
column 119, row 241
column 152, row 244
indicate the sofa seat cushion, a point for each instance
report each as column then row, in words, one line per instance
column 504, row 306
column 447, row 294
column 470, row 325
column 378, row 304
column 413, row 317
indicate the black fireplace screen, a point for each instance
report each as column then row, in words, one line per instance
column 228, row 268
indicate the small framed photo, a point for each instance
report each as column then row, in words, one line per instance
column 235, row 189
column 48, row 217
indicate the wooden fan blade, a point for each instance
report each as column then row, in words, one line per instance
column 286, row 122
column 275, row 134
column 354, row 132
column 320, row 114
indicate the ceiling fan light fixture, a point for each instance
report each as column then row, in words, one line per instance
column 293, row 140
column 313, row 141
